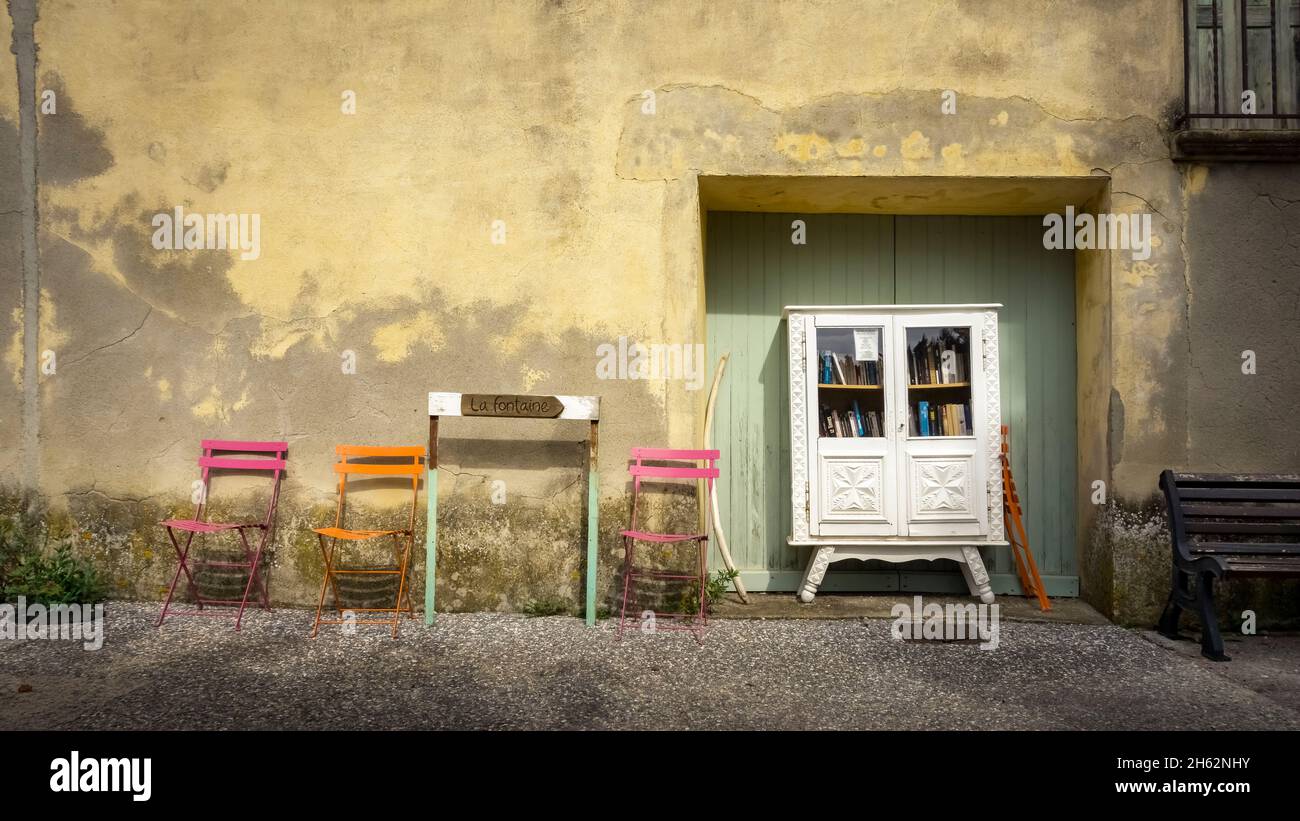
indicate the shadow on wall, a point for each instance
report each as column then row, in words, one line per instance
column 156, row 350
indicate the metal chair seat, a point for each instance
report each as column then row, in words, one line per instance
column 643, row 536
column 357, row 535
column 195, row 526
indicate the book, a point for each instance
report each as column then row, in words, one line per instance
column 857, row 413
column 923, row 412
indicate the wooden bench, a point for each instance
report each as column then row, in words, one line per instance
column 1227, row 525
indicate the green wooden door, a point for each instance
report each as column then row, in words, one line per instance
column 753, row 269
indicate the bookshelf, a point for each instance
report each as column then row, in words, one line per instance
column 894, row 436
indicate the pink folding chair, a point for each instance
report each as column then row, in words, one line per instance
column 698, row 620
column 210, row 462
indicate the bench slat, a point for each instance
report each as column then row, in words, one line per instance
column 1239, row 494
column 1264, row 566
column 1243, row 528
column 1242, row 512
column 1238, row 479
column 1248, row 548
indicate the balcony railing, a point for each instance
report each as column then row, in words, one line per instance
column 1236, row 46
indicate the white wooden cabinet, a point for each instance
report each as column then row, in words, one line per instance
column 895, row 436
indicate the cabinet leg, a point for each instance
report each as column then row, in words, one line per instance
column 977, row 578
column 815, row 572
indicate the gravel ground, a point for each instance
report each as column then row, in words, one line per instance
column 489, row 671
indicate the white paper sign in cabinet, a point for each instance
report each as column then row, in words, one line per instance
column 895, row 436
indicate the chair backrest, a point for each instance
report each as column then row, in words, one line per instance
column 686, row 467
column 403, row 461
column 210, row 461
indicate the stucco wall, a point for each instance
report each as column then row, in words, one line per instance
column 376, row 230
column 11, row 279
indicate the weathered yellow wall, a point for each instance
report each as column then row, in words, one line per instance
column 376, row 226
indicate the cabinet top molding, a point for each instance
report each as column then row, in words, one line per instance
column 840, row 309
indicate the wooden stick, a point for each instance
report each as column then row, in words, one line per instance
column 712, row 500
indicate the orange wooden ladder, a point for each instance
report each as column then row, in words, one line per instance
column 1015, row 525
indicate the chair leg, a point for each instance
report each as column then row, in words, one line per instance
column 1168, row 624
column 325, row 584
column 252, row 576
column 182, row 556
column 627, row 578
column 263, row 590
column 401, row 585
column 397, row 557
column 1211, row 641
column 703, row 616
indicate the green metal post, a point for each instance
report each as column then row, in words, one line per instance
column 431, row 526
column 593, row 525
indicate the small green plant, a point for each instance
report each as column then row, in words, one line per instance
column 549, row 606
column 16, row 540
column 718, row 583
column 60, row 578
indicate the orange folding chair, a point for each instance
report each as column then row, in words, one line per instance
column 402, row 461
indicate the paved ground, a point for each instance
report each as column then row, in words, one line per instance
column 857, row 606
column 496, row 671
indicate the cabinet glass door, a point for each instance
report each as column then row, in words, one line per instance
column 939, row 431
column 854, row 489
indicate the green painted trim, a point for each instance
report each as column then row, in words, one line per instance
column 876, row 581
column 430, row 545
column 593, row 537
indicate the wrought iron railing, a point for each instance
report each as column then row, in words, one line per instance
column 1241, row 64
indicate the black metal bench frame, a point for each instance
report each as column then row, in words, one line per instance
column 1226, row 525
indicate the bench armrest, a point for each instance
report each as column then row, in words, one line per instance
column 1177, row 529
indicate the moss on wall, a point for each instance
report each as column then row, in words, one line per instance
column 1130, row 546
column 490, row 556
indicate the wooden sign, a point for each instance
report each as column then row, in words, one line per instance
column 514, row 406
column 442, row 403
column 510, row 405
